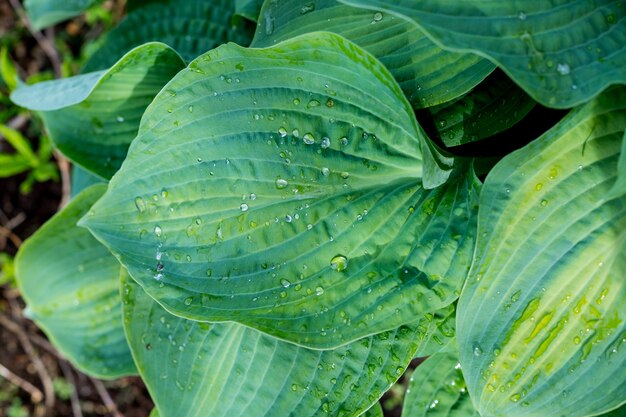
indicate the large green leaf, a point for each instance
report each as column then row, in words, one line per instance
column 92, row 118
column 438, row 333
column 71, row 286
column 200, row 369
column 375, row 411
column 437, row 389
column 619, row 189
column 427, row 74
column 281, row 188
column 562, row 52
column 44, row 13
column 191, row 27
column 541, row 321
column 82, row 179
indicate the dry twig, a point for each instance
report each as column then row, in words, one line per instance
column 106, row 398
column 66, row 182
column 67, row 372
column 46, row 44
column 35, row 393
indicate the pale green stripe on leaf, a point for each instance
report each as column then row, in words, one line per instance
column 542, row 321
column 197, row 369
column 437, row 389
column 427, row 74
column 191, row 27
column 71, row 286
column 43, row 13
column 562, row 52
column 92, row 118
column 281, row 188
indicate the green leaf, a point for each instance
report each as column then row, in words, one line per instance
column 191, row 27
column 541, row 321
column 272, row 186
column 71, row 286
column 12, row 164
column 154, row 413
column 82, row 179
column 92, row 118
column 561, row 52
column 249, row 9
column 437, row 389
column 43, row 13
column 193, row 368
column 20, row 144
column 619, row 188
column 438, row 334
column 427, row 74
column 375, row 411
column 620, row 412
column 8, row 72
column 492, row 107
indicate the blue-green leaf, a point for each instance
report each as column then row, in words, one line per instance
column 71, row 286
column 281, row 188
column 43, row 13
column 92, row 118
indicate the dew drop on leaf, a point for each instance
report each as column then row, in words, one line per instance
column 281, row 183
column 140, row 204
column 339, row 263
column 308, row 139
column 285, row 283
column 563, row 69
column 244, row 207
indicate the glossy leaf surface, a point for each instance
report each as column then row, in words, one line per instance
column 427, row 74
column 437, row 389
column 92, row 118
column 561, row 52
column 541, row 321
column 190, row 27
column 71, row 286
column 281, row 188
column 200, row 369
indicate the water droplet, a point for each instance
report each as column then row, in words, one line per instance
column 244, row 207
column 285, row 283
column 539, row 186
column 307, row 8
column 515, row 397
column 477, row 350
column 325, row 171
column 157, row 230
column 281, row 183
column 288, row 218
column 120, row 119
column 295, row 133
column 522, row 16
column 563, row 69
column 319, row 290
column 544, row 203
column 442, row 123
column 343, row 141
column 339, row 263
column 294, row 387
column 188, row 301
column 140, row 204
column 282, row 132
column 308, row 138
column 313, row 103
column 296, row 101
column 377, row 17
column 325, row 143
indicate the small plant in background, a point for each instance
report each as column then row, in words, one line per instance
column 277, row 221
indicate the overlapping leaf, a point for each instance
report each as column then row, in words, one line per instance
column 200, row 369
column 249, row 9
column 71, row 286
column 541, row 323
column 492, row 107
column 191, row 27
column 437, row 389
column 375, row 411
column 281, row 188
column 44, row 13
column 438, row 334
column 561, row 52
column 427, row 74
column 92, row 118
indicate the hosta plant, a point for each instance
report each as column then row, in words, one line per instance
column 280, row 221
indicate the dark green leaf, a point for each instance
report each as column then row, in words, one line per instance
column 43, row 13
column 562, row 52
column 191, row 27
column 427, row 74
